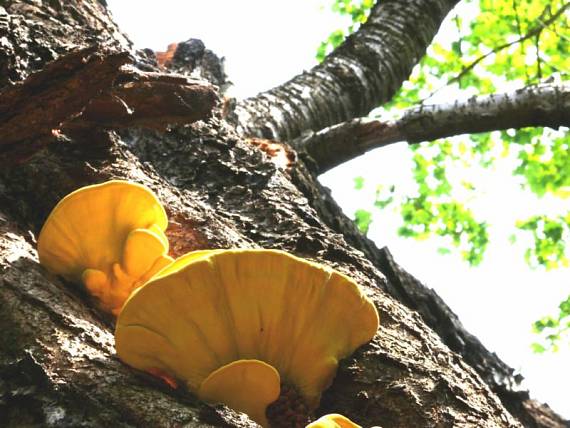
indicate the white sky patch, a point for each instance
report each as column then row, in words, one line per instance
column 266, row 43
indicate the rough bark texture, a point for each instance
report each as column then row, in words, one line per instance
column 53, row 95
column 57, row 362
column 30, row 37
column 540, row 105
column 365, row 71
column 88, row 88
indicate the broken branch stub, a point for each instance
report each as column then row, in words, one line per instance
column 150, row 100
column 90, row 88
column 30, row 110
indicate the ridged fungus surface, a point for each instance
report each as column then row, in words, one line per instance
column 233, row 324
column 109, row 236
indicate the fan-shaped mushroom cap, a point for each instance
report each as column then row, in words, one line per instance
column 210, row 308
column 248, row 386
column 110, row 236
column 333, row 420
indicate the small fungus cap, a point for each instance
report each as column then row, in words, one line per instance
column 248, row 386
column 110, row 236
column 333, row 420
column 211, row 308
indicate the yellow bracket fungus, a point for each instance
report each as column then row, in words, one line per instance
column 333, row 420
column 236, row 383
column 110, row 236
column 198, row 320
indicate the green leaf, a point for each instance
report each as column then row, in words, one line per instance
column 537, row 348
column 554, row 330
column 363, row 218
column 550, row 241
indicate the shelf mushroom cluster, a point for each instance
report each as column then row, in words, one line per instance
column 231, row 325
column 109, row 236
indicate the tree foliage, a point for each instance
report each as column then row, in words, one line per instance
column 483, row 47
column 553, row 329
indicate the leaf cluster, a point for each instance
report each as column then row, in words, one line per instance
column 553, row 330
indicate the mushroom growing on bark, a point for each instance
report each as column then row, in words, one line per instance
column 333, row 420
column 109, row 236
column 234, row 324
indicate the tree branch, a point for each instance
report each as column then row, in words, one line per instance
column 541, row 105
column 365, row 71
column 150, row 100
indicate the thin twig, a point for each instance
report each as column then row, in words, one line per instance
column 499, row 48
column 538, row 59
column 519, row 30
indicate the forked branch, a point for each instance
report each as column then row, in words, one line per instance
column 362, row 73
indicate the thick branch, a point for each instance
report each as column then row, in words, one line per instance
column 542, row 105
column 365, row 71
column 89, row 88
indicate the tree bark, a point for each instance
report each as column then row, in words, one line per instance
column 57, row 361
column 113, row 97
column 362, row 73
column 540, row 105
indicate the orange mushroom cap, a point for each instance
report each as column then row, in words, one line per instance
column 334, row 420
column 248, row 386
column 211, row 308
column 110, row 236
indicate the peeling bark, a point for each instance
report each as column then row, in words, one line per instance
column 541, row 105
column 191, row 57
column 89, row 88
column 362, row 73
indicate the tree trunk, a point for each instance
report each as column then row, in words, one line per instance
column 58, row 366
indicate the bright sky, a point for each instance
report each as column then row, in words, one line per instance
column 266, row 43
